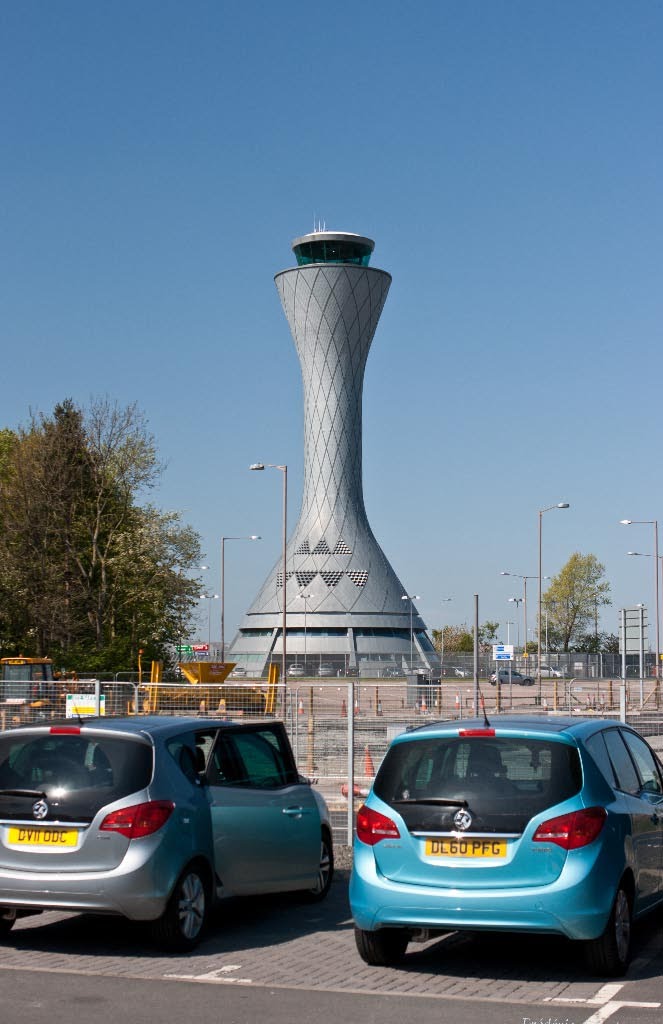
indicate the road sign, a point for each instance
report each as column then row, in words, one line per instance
column 635, row 620
column 502, row 652
column 79, row 704
column 184, row 649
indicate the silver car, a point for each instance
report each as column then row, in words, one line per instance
column 155, row 819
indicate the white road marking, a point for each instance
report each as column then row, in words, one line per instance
column 221, row 974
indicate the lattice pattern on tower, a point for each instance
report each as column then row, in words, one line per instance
column 332, row 578
column 303, row 549
column 342, row 548
column 321, row 548
column 279, row 578
column 305, row 578
column 360, row 579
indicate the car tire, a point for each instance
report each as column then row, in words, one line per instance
column 180, row 927
column 8, row 919
column 609, row 955
column 325, row 870
column 383, row 948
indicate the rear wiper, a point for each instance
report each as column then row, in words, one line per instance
column 32, row 794
column 434, row 800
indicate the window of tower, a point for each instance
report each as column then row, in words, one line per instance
column 327, row 250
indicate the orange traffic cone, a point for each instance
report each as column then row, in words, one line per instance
column 344, row 709
column 301, row 706
column 424, row 706
column 368, row 763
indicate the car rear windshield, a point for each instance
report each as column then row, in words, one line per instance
column 503, row 781
column 76, row 774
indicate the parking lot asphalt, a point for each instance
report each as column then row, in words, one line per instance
column 283, row 942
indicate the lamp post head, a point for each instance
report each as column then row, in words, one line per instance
column 257, row 465
column 563, row 504
column 255, row 537
column 626, row 522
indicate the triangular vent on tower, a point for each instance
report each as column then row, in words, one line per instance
column 305, row 578
column 279, row 578
column 321, row 548
column 332, row 578
column 342, row 548
column 303, row 549
column 360, row 579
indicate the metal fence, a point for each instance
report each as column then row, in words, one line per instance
column 340, row 730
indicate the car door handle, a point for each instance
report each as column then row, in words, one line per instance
column 296, row 812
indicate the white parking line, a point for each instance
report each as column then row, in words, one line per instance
column 605, row 1000
column 221, row 974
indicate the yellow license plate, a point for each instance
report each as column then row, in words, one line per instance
column 47, row 838
column 466, row 847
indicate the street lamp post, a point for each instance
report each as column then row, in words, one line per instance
column 284, row 469
column 223, row 588
column 411, row 598
column 210, row 598
column 305, row 598
column 524, row 600
column 560, row 504
column 517, row 601
column 654, row 523
column 445, row 600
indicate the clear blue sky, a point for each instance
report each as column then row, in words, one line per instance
column 158, row 158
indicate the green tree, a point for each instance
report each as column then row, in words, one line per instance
column 456, row 638
column 573, row 598
column 88, row 574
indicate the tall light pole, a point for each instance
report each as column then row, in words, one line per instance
column 305, row 598
column 445, row 600
column 517, row 601
column 654, row 523
column 524, row 600
column 284, row 469
column 560, row 504
column 411, row 598
column 210, row 598
column 644, row 554
column 223, row 588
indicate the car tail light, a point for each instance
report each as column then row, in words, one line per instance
column 476, row 732
column 65, row 730
column 138, row 820
column 571, row 831
column 372, row 826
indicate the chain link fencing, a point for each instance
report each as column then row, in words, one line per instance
column 340, row 730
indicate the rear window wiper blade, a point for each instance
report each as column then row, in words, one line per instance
column 33, row 794
column 433, row 800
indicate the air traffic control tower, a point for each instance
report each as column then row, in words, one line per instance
column 345, row 606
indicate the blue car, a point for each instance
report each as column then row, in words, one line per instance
column 541, row 825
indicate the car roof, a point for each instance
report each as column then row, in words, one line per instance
column 514, row 725
column 152, row 725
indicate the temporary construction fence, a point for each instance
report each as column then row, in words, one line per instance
column 340, row 731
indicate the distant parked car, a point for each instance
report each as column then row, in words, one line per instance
column 296, row 670
column 325, row 668
column 154, row 819
column 529, row 825
column 548, row 672
column 239, row 672
column 513, row 677
column 462, row 673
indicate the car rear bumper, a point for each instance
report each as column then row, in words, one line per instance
column 139, row 893
column 575, row 907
